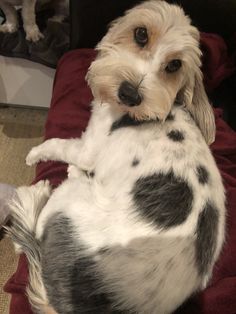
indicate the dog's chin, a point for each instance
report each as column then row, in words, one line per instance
column 142, row 113
column 142, row 116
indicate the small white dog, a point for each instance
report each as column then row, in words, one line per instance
column 139, row 223
column 28, row 14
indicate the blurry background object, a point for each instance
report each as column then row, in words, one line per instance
column 52, row 19
column 6, row 193
column 27, row 68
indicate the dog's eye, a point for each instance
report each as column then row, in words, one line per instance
column 173, row 66
column 141, row 36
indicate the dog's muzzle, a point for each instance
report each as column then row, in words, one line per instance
column 129, row 95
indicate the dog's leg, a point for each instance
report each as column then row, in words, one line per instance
column 56, row 149
column 81, row 152
column 28, row 14
column 61, row 10
column 11, row 24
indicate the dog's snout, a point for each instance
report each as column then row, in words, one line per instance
column 129, row 95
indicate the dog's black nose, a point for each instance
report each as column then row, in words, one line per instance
column 129, row 95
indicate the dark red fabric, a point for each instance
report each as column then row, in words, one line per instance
column 217, row 64
column 67, row 118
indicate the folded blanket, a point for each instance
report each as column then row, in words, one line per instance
column 68, row 117
column 48, row 50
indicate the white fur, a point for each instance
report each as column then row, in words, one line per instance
column 109, row 155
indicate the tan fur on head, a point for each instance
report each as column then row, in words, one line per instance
column 170, row 36
column 49, row 310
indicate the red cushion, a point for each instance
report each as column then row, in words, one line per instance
column 217, row 65
column 67, row 118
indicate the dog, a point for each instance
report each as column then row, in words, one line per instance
column 28, row 14
column 140, row 222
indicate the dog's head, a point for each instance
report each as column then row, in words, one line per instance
column 149, row 58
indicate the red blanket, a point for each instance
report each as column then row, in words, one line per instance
column 68, row 117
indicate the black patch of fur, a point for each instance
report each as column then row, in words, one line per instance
column 126, row 121
column 176, row 136
column 90, row 174
column 170, row 117
column 202, row 174
column 163, row 199
column 206, row 237
column 135, row 162
column 70, row 277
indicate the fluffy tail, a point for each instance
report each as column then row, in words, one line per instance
column 25, row 208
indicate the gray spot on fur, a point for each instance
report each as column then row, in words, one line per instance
column 163, row 199
column 202, row 174
column 150, row 275
column 206, row 237
column 89, row 174
column 176, row 136
column 69, row 275
column 135, row 162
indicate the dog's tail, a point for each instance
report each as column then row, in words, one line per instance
column 25, row 209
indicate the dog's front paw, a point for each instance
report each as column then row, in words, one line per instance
column 33, row 34
column 73, row 172
column 8, row 28
column 34, row 156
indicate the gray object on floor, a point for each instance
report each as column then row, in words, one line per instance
column 6, row 193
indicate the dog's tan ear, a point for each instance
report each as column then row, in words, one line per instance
column 196, row 101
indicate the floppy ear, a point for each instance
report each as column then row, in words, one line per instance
column 196, row 101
